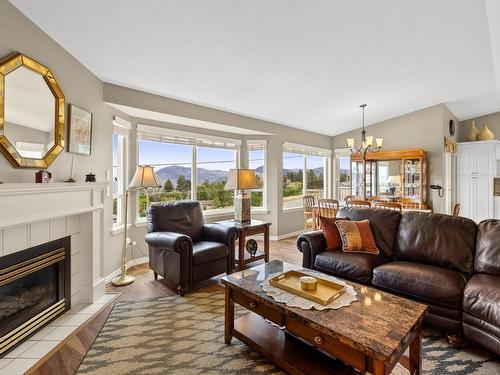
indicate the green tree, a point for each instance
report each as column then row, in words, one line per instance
column 168, row 186
column 182, row 184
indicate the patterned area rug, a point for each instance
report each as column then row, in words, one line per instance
column 184, row 335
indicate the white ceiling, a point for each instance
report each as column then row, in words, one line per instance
column 306, row 64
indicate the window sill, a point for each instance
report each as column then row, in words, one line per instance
column 260, row 211
column 119, row 229
column 141, row 222
column 292, row 209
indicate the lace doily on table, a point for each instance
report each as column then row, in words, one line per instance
column 293, row 300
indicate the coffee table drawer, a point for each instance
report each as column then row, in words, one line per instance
column 259, row 308
column 326, row 343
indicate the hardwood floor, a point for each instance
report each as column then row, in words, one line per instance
column 66, row 357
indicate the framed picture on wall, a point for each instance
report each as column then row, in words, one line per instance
column 79, row 131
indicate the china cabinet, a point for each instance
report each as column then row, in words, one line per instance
column 393, row 174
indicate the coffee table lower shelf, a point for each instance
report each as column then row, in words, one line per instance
column 286, row 351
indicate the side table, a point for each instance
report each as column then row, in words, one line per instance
column 245, row 230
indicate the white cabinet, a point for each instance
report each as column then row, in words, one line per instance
column 476, row 168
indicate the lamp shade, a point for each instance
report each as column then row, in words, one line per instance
column 242, row 179
column 396, row 180
column 144, row 177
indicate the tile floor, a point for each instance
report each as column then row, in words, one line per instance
column 31, row 351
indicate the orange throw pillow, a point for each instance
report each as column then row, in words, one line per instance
column 331, row 232
column 357, row 237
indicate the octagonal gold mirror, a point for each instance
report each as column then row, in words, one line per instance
column 31, row 113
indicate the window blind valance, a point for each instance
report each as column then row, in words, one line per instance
column 306, row 150
column 158, row 134
column 121, row 126
column 254, row 144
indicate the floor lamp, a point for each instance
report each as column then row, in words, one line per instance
column 144, row 178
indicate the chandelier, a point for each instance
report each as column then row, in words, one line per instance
column 366, row 141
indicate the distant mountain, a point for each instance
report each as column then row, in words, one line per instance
column 317, row 171
column 172, row 173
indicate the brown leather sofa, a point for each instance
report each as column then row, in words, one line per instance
column 183, row 249
column 430, row 258
column 482, row 292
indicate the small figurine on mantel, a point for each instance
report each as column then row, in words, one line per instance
column 90, row 177
column 43, row 177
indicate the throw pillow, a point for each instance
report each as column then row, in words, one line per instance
column 331, row 232
column 357, row 237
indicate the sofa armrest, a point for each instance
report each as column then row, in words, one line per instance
column 169, row 240
column 220, row 233
column 311, row 244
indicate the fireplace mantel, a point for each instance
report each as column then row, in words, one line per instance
column 32, row 214
column 29, row 202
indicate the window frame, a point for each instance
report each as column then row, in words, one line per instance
column 166, row 135
column 306, row 151
column 259, row 145
column 121, row 129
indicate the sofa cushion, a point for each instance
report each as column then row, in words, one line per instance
column 383, row 223
column 331, row 232
column 482, row 298
column 354, row 266
column 438, row 240
column 357, row 237
column 207, row 251
column 488, row 247
column 439, row 286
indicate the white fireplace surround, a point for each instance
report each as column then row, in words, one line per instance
column 32, row 214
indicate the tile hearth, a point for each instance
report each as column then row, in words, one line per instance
column 36, row 347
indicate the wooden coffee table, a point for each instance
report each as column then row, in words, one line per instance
column 370, row 335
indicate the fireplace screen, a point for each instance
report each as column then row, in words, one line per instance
column 34, row 289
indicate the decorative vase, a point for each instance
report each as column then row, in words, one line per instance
column 486, row 134
column 473, row 132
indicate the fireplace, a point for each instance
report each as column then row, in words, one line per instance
column 34, row 289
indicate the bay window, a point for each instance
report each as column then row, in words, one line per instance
column 257, row 161
column 121, row 130
column 187, row 166
column 305, row 172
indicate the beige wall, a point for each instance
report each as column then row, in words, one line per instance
column 80, row 87
column 492, row 120
column 423, row 129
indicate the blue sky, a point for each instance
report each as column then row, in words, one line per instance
column 155, row 153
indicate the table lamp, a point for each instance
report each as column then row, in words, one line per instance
column 144, row 177
column 395, row 181
column 241, row 180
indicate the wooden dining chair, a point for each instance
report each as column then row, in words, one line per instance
column 309, row 217
column 389, row 206
column 353, row 198
column 328, row 207
column 358, row 203
column 379, row 198
column 456, row 209
column 409, row 203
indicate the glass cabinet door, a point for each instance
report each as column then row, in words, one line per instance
column 413, row 179
column 389, row 178
column 357, row 178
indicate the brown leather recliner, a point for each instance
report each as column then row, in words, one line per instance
column 481, row 303
column 183, row 249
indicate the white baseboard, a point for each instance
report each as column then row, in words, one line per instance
column 130, row 263
column 286, row 235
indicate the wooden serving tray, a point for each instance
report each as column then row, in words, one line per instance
column 324, row 294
